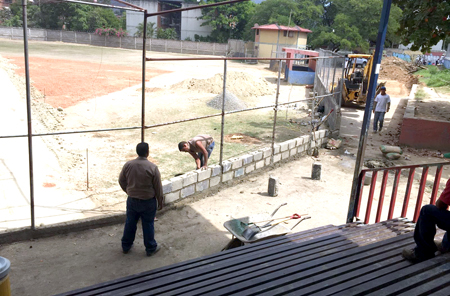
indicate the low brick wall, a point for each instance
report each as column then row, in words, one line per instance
column 196, row 182
column 423, row 133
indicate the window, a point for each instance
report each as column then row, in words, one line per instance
column 257, row 31
column 284, row 33
column 291, row 34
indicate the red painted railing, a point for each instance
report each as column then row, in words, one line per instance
column 395, row 185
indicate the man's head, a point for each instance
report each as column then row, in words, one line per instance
column 183, row 146
column 383, row 90
column 142, row 149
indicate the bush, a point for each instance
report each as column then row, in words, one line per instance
column 111, row 32
column 169, row 33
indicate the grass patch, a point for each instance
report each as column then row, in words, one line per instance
column 434, row 76
column 420, row 94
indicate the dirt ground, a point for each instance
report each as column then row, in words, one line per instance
column 193, row 227
column 435, row 106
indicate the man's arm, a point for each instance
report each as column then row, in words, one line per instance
column 204, row 152
column 123, row 180
column 196, row 158
column 157, row 186
column 388, row 106
column 374, row 106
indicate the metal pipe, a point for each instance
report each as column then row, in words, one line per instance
column 223, row 111
column 373, row 183
column 237, row 59
column 437, row 180
column 394, row 194
column 369, row 102
column 193, row 7
column 144, row 38
column 382, row 192
column 100, row 4
column 28, row 94
column 408, row 192
column 131, row 5
column 362, row 177
column 423, row 183
column 275, row 110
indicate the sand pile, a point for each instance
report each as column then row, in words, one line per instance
column 393, row 68
column 239, row 83
column 231, row 102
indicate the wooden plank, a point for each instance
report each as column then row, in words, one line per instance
column 193, row 276
column 427, row 288
column 445, row 291
column 374, row 282
column 333, row 273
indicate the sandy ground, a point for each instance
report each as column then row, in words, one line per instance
column 194, row 227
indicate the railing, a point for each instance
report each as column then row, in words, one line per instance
column 395, row 186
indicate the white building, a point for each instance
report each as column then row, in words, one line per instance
column 437, row 47
column 185, row 23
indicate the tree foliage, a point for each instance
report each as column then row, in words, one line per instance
column 424, row 22
column 150, row 30
column 227, row 21
column 168, row 33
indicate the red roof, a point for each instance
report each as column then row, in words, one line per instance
column 281, row 28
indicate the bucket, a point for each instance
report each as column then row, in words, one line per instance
column 5, row 288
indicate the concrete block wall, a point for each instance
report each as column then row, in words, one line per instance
column 197, row 181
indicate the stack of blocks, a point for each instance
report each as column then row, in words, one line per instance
column 200, row 180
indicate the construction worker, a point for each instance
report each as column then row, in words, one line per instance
column 200, row 148
column 141, row 181
column 381, row 105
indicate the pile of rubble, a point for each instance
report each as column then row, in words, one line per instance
column 393, row 68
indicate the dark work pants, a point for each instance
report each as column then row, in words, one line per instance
column 430, row 217
column 146, row 211
column 378, row 120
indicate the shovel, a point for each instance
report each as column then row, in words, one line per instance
column 252, row 230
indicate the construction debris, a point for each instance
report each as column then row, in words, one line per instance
column 393, row 68
column 231, row 102
column 334, row 144
column 390, row 149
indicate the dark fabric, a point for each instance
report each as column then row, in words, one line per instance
column 378, row 118
column 210, row 148
column 146, row 211
column 141, row 179
column 430, row 217
column 445, row 195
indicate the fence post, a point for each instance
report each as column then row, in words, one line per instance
column 60, row 36
column 197, row 47
column 214, row 48
column 276, row 109
column 12, row 33
column 165, row 45
column 223, row 112
column 90, row 39
column 181, row 46
column 76, row 37
column 134, row 42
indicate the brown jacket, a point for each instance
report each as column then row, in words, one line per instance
column 141, row 179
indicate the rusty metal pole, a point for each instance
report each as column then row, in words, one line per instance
column 369, row 102
column 28, row 93
column 143, row 75
column 275, row 109
column 223, row 111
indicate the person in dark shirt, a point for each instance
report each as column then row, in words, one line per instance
column 141, row 181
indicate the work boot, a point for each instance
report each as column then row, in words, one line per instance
column 412, row 256
column 441, row 247
column 158, row 247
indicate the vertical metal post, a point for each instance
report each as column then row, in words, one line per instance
column 275, row 110
column 143, row 75
column 394, row 194
column 423, row 183
column 87, row 168
column 437, row 179
column 382, row 192
column 223, row 110
column 28, row 93
column 370, row 200
column 369, row 102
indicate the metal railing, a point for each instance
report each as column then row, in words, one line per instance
column 354, row 211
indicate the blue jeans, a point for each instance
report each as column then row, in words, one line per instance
column 209, row 149
column 430, row 217
column 379, row 117
column 146, row 211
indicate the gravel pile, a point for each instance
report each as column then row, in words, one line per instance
column 231, row 102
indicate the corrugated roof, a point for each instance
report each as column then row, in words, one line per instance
column 283, row 28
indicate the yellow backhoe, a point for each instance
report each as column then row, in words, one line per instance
column 356, row 80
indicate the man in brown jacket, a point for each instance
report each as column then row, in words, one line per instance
column 141, row 181
column 200, row 148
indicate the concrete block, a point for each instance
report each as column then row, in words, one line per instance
column 214, row 181
column 246, row 159
column 267, row 152
column 236, row 163
column 167, row 186
column 260, row 164
column 227, row 176
column 188, row 191
column 250, row 168
column 257, row 155
column 215, row 170
column 317, row 133
column 285, row 155
column 200, row 186
column 306, row 138
column 226, row 166
column 291, row 143
column 273, row 186
column 276, row 149
column 203, row 174
column 177, row 183
column 189, row 178
column 171, row 197
column 313, row 144
column 316, row 171
column 299, row 141
column 293, row 151
column 284, row 146
column 267, row 160
column 276, row 158
column 322, row 133
column 239, row 172
column 300, row 149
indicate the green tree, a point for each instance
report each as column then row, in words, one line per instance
column 150, row 30
column 227, row 21
column 168, row 33
column 424, row 22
